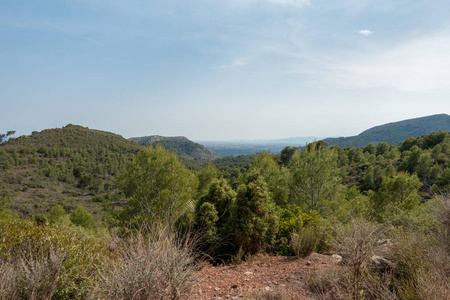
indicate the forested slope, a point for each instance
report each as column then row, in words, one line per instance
column 67, row 166
column 396, row 132
column 321, row 198
column 181, row 146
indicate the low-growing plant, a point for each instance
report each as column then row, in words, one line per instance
column 442, row 213
column 8, row 281
column 422, row 268
column 55, row 214
column 238, row 257
column 81, row 217
column 37, row 248
column 304, row 241
column 337, row 283
column 356, row 242
column 32, row 277
column 153, row 266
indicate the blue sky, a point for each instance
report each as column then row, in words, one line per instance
column 222, row 70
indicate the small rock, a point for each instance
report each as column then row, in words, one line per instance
column 276, row 283
column 267, row 288
column 248, row 273
column 384, row 242
column 235, row 298
column 381, row 263
column 337, row 259
column 308, row 263
column 234, row 286
column 200, row 291
column 217, row 289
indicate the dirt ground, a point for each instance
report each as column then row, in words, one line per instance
column 263, row 274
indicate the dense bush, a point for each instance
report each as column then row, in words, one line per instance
column 82, row 217
column 160, row 187
column 35, row 250
column 253, row 222
column 31, row 277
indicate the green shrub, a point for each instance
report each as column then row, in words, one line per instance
column 304, row 241
column 82, row 217
column 421, row 268
column 253, row 223
column 442, row 213
column 5, row 214
column 30, row 243
column 55, row 214
column 294, row 220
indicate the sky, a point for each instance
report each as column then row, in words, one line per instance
column 222, row 69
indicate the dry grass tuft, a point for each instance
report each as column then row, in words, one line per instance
column 304, row 242
column 156, row 266
column 31, row 277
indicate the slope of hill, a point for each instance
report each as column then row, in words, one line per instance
column 67, row 166
column 181, row 146
column 72, row 136
column 396, row 132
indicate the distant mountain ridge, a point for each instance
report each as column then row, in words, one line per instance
column 291, row 141
column 248, row 147
column 395, row 132
column 180, row 145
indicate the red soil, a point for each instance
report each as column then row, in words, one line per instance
column 264, row 273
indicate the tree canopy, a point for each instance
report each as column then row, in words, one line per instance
column 160, row 187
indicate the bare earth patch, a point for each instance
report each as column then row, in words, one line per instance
column 263, row 273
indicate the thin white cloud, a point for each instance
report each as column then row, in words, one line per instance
column 235, row 64
column 299, row 3
column 249, row 3
column 421, row 65
column 365, row 32
column 94, row 41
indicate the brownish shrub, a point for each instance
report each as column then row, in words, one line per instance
column 156, row 266
column 304, row 241
column 31, row 277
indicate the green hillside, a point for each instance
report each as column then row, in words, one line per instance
column 396, row 132
column 239, row 207
column 181, row 146
column 67, row 166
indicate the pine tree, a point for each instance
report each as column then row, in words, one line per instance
column 254, row 222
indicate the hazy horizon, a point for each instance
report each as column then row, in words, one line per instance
column 222, row 70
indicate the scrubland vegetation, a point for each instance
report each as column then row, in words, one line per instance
column 132, row 223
